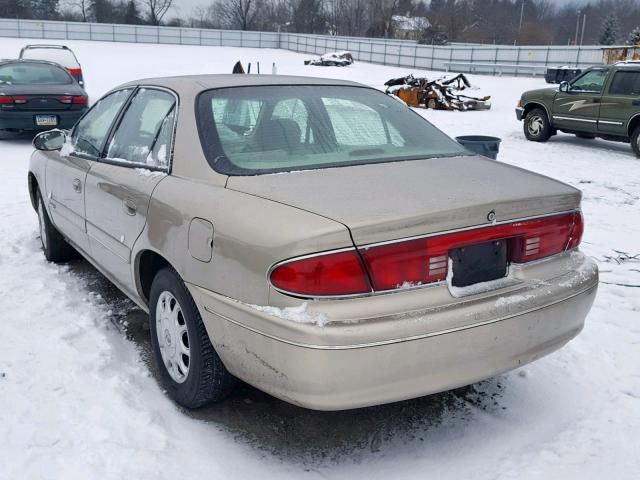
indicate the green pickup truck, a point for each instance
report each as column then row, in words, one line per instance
column 604, row 101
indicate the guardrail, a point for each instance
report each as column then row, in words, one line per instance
column 496, row 68
column 401, row 53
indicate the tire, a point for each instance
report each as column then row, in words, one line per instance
column 432, row 104
column 55, row 247
column 536, row 126
column 586, row 136
column 190, row 369
column 635, row 141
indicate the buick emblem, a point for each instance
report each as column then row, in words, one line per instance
column 491, row 216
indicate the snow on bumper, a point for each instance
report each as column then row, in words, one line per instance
column 350, row 364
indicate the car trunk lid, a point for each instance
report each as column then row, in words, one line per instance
column 389, row 201
column 41, row 97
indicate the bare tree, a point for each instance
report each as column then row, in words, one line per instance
column 156, row 10
column 238, row 14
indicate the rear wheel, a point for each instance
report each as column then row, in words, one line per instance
column 190, row 368
column 635, row 141
column 55, row 247
column 536, row 126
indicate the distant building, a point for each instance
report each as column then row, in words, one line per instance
column 409, row 28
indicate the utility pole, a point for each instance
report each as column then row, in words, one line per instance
column 521, row 17
column 584, row 21
column 577, row 29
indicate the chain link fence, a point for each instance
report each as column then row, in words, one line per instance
column 490, row 59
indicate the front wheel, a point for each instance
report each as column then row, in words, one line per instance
column 190, row 368
column 55, row 247
column 536, row 126
column 635, row 141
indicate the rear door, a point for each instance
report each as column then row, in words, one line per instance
column 578, row 109
column 120, row 185
column 66, row 170
column 620, row 101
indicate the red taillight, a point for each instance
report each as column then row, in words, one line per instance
column 578, row 230
column 546, row 236
column 330, row 274
column 424, row 260
column 10, row 100
column 74, row 71
column 77, row 100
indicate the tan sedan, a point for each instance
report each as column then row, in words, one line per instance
column 314, row 238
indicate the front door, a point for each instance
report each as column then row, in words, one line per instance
column 578, row 108
column 67, row 169
column 119, row 186
column 619, row 103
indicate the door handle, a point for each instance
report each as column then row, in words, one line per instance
column 129, row 206
column 596, row 100
column 77, row 185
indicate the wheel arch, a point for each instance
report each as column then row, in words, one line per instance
column 634, row 121
column 535, row 104
column 33, row 185
column 147, row 264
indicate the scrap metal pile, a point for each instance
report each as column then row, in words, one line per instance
column 443, row 93
column 332, row 59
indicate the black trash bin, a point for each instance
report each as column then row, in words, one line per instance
column 551, row 75
column 486, row 146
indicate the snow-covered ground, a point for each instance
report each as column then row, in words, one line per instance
column 77, row 401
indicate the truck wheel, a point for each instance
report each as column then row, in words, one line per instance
column 635, row 141
column 536, row 126
column 55, row 247
column 190, row 368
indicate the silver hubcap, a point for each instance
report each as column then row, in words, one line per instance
column 535, row 125
column 173, row 337
column 43, row 230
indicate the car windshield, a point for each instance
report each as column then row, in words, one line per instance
column 33, row 74
column 266, row 129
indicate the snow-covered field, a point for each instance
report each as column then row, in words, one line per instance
column 77, row 401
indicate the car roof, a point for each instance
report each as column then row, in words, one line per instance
column 198, row 83
column 5, row 61
column 627, row 64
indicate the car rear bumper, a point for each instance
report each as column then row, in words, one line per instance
column 25, row 120
column 519, row 113
column 404, row 355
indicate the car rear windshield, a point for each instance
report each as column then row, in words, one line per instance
column 60, row 56
column 33, row 74
column 267, row 129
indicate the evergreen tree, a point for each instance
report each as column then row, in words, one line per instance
column 132, row 14
column 634, row 37
column 44, row 9
column 609, row 31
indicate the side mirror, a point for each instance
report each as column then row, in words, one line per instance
column 564, row 87
column 50, row 140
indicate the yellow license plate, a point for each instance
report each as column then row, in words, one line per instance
column 46, row 120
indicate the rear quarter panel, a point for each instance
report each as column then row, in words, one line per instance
column 250, row 234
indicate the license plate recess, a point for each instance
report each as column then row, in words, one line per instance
column 482, row 262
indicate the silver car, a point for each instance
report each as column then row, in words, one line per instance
column 314, row 238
